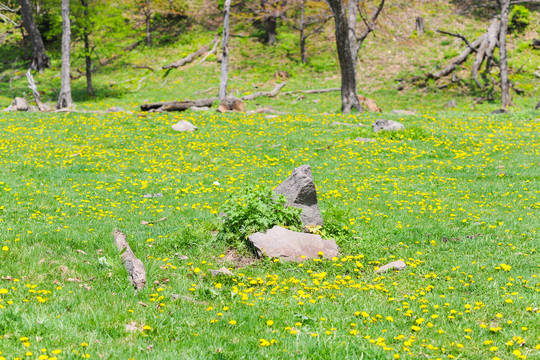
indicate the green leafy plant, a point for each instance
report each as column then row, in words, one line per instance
column 336, row 224
column 519, row 18
column 254, row 211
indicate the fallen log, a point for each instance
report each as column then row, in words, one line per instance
column 191, row 56
column 134, row 266
column 314, row 91
column 272, row 93
column 176, row 105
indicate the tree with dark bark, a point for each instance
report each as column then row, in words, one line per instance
column 88, row 49
column 349, row 98
column 40, row 59
column 64, row 99
column 310, row 20
column 269, row 12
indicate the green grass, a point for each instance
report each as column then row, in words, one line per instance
column 455, row 196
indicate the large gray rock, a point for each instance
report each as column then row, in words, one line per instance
column 18, row 104
column 290, row 245
column 184, row 126
column 386, row 125
column 299, row 190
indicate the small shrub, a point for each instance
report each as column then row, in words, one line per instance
column 257, row 210
column 336, row 224
column 519, row 19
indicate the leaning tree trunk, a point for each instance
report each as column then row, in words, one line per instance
column 505, row 83
column 64, row 99
column 303, row 37
column 225, row 56
column 349, row 98
column 40, row 60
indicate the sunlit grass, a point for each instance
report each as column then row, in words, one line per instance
column 455, row 196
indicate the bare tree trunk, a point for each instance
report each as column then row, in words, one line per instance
column 352, row 16
column 225, row 57
column 40, row 60
column 505, row 83
column 303, row 52
column 64, row 99
column 87, row 50
column 419, row 26
column 270, row 25
column 148, row 15
column 349, row 98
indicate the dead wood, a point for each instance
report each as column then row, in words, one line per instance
column 134, row 266
column 35, row 92
column 176, row 105
column 457, row 61
column 314, row 91
column 188, row 59
column 272, row 93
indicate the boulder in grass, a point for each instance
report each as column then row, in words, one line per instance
column 284, row 244
column 231, row 104
column 300, row 192
column 387, row 125
column 184, row 126
column 18, row 104
column 397, row 265
column 368, row 104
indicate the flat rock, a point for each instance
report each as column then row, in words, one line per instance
column 398, row 265
column 199, row 108
column 364, row 139
column 386, row 125
column 300, row 192
column 184, row 126
column 291, row 246
column 404, row 112
column 115, row 109
column 499, row 111
column 222, row 271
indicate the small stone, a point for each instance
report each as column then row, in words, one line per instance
column 451, row 104
column 398, row 265
column 222, row 271
column 231, row 104
column 285, row 244
column 404, row 112
column 364, row 139
column 199, row 108
column 115, row 109
column 386, row 125
column 184, row 126
column 499, row 111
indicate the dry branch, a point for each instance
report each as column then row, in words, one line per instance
column 176, row 105
column 188, row 59
column 134, row 266
column 35, row 92
column 314, row 91
column 272, row 93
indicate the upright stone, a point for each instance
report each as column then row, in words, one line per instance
column 299, row 190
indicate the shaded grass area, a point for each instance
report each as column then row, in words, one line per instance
column 455, row 195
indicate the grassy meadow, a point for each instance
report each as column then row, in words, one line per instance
column 455, row 196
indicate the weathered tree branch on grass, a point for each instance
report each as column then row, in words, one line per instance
column 176, row 105
column 134, row 266
column 35, row 92
column 314, row 91
column 188, row 59
column 272, row 93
